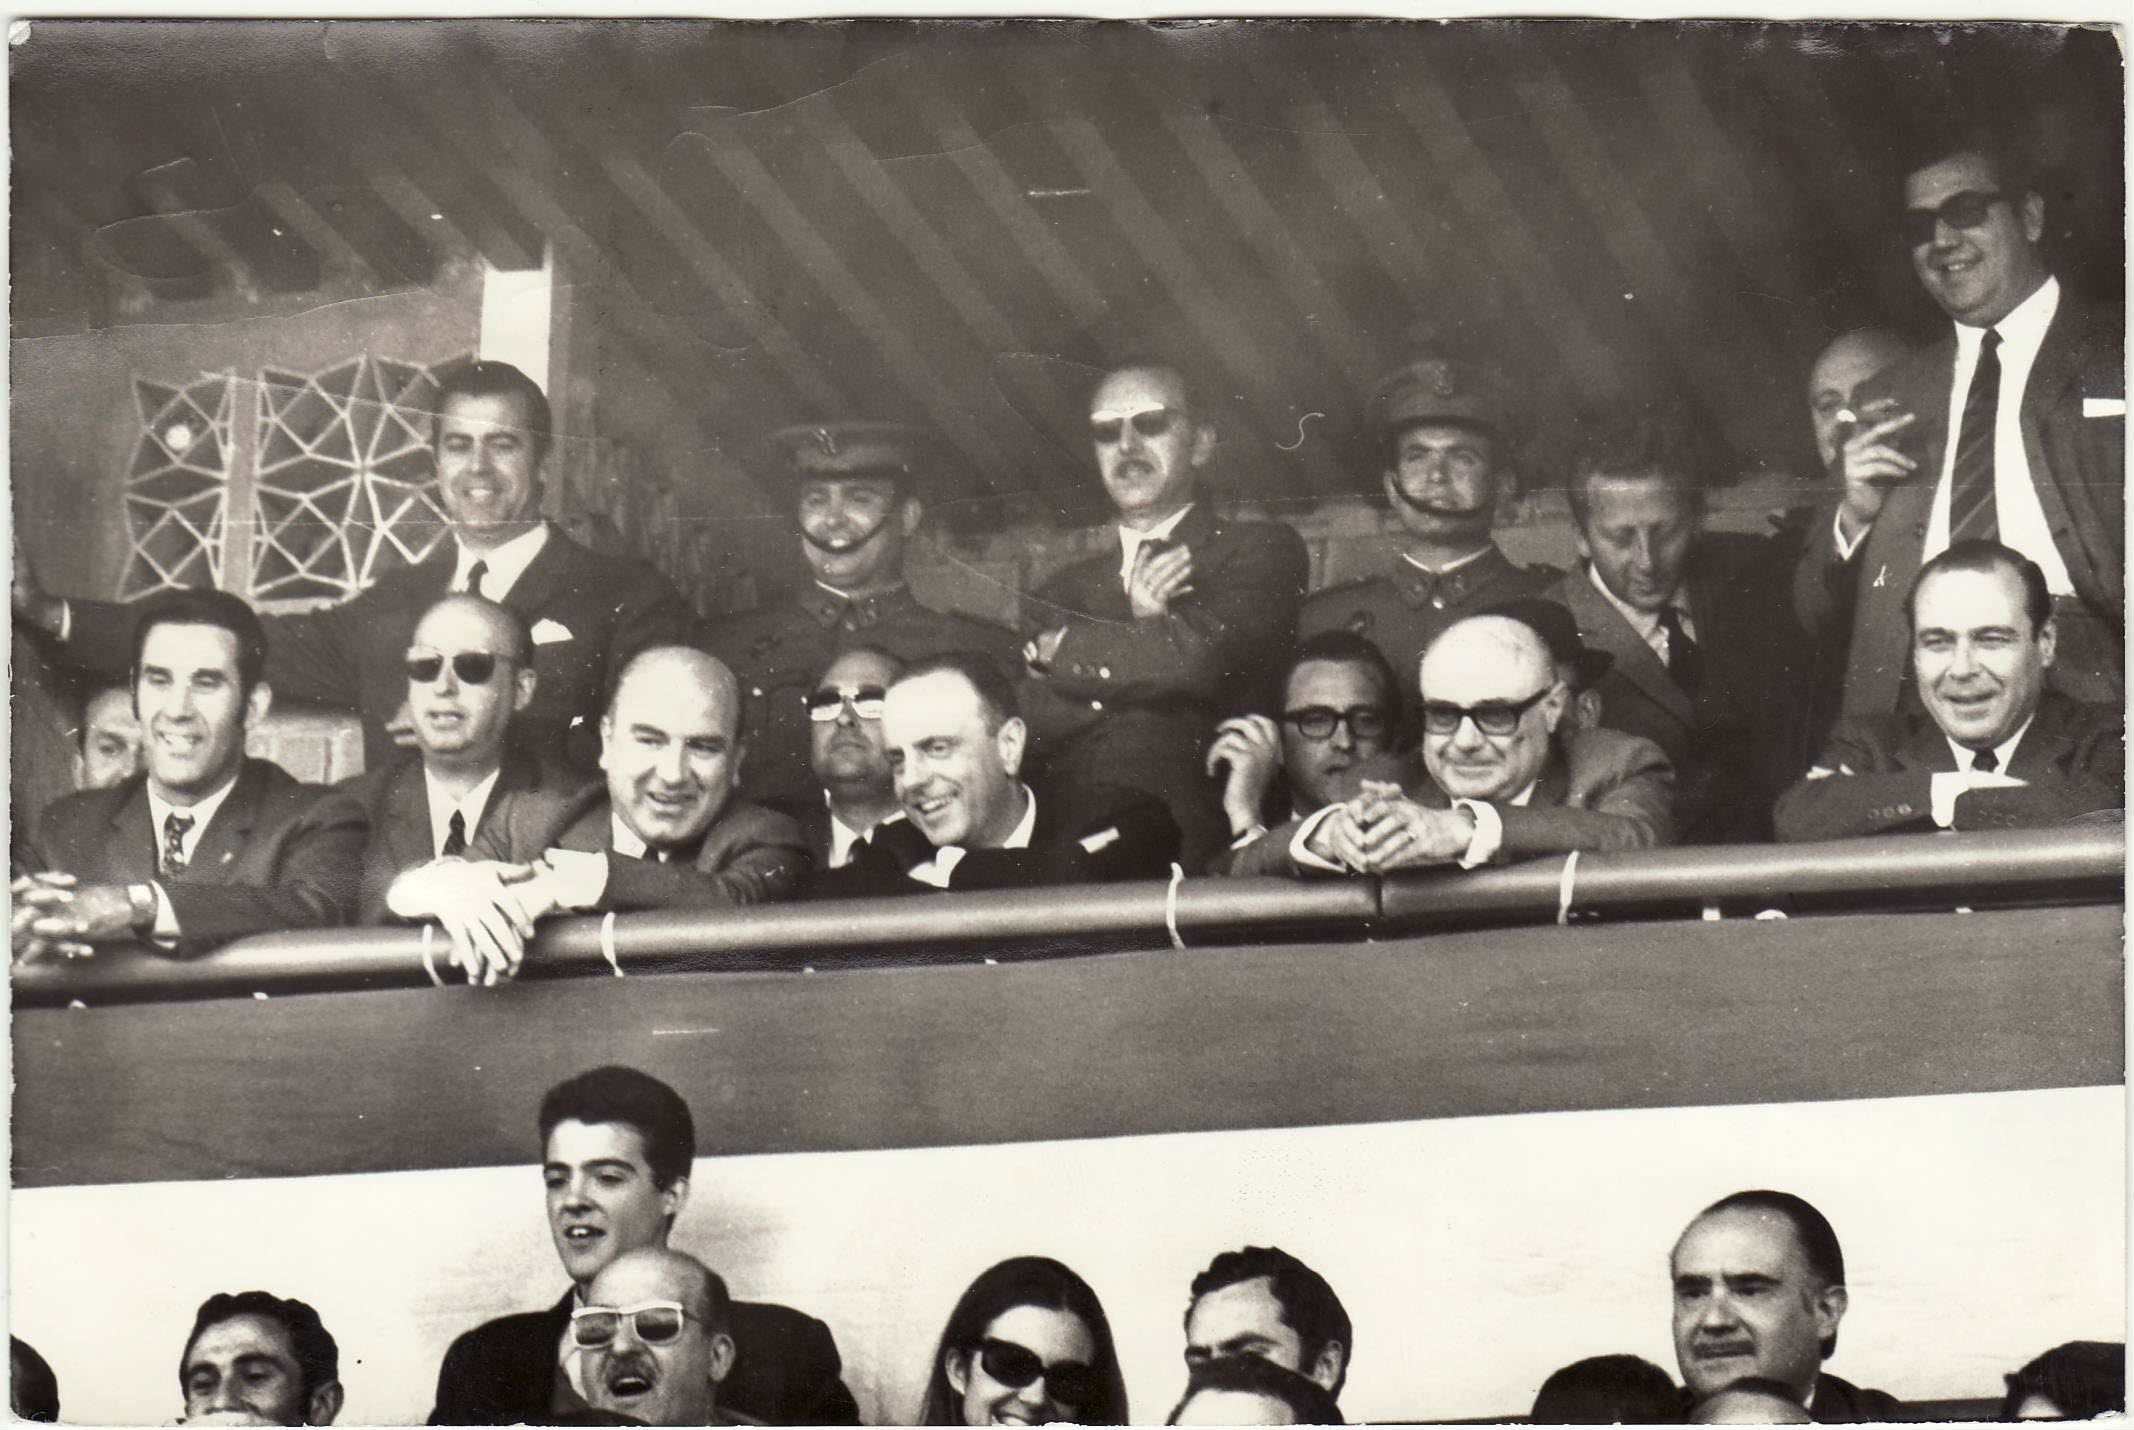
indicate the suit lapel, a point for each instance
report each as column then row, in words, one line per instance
column 544, row 577
column 1602, row 626
column 2044, row 742
column 1924, row 747
column 135, row 842
column 407, row 817
column 223, row 843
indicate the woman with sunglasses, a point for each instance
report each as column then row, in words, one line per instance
column 1026, row 1345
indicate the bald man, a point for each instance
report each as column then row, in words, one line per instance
column 659, row 1366
column 1835, row 380
column 664, row 832
column 469, row 671
column 1505, row 775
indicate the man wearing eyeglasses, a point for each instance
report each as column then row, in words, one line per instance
column 2012, row 428
column 850, row 757
column 469, row 672
column 1180, row 621
column 588, row 612
column 1447, row 434
column 1505, row 775
column 205, row 845
column 653, row 1339
column 859, row 505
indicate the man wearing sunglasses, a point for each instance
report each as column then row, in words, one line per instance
column 617, row 1149
column 857, row 493
column 587, row 612
column 653, row 1339
column 1707, row 660
column 1179, row 622
column 469, row 671
column 1446, row 434
column 1340, row 723
column 2011, row 428
column 1505, row 774
column 851, row 759
column 205, row 845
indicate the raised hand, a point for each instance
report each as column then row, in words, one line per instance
column 1159, row 578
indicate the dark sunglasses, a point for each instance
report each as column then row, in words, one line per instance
column 473, row 667
column 1070, row 1383
column 1965, row 210
column 1491, row 717
column 1150, row 422
column 826, row 704
column 656, row 1323
column 1317, row 722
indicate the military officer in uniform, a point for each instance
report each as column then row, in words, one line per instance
column 857, row 501
column 1447, row 436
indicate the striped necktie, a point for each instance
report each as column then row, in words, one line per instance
column 1971, row 510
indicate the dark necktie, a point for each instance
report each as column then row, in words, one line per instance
column 1971, row 510
column 475, row 573
column 175, row 827
column 1985, row 760
column 1685, row 661
column 456, row 836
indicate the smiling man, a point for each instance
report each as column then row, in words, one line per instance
column 256, row 1359
column 206, row 845
column 653, row 1339
column 617, row 1150
column 1759, row 1289
column 1261, row 1301
column 1993, row 748
column 857, row 493
column 2011, row 428
column 955, row 744
column 587, row 613
column 1178, row 622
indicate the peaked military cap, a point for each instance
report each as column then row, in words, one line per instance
column 1437, row 388
column 854, row 449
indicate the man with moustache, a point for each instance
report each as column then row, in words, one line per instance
column 1994, row 748
column 1340, row 722
column 850, row 758
column 1759, row 1290
column 259, row 1359
column 617, row 1149
column 1180, row 620
column 652, row 1338
column 206, row 845
column 1504, row 774
column 469, row 670
column 663, row 832
column 858, row 503
column 1447, row 436
column 587, row 613
column 2011, row 428
column 955, row 743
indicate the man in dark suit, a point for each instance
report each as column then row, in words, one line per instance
column 1707, row 662
column 2011, row 428
column 617, row 1148
column 1993, row 748
column 850, row 759
column 206, row 846
column 663, row 832
column 1504, row 774
column 469, row 670
column 1448, row 439
column 858, row 502
column 1182, row 619
column 587, row 613
column 1759, row 1289
column 956, row 748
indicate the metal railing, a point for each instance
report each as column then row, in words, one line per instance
column 2069, row 864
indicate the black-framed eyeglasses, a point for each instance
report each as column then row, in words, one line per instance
column 1491, row 717
column 473, row 667
column 1149, row 423
column 1965, row 210
column 656, row 1323
column 1317, row 722
column 826, row 704
column 1069, row 1382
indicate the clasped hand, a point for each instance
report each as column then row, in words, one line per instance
column 53, row 912
column 487, row 909
column 1381, row 830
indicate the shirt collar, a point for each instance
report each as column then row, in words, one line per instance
column 623, row 839
column 2002, row 753
column 201, row 812
column 1645, row 623
column 506, row 564
column 1019, row 836
column 2023, row 330
column 469, row 806
column 1449, row 567
column 1130, row 540
column 843, row 836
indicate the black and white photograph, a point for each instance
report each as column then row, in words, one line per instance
column 1254, row 721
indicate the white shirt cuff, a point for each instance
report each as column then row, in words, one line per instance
column 1846, row 548
column 1488, row 836
column 1304, row 857
column 66, row 628
column 576, row 879
column 1944, row 787
column 166, row 925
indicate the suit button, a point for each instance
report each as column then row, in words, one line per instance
column 1437, row 603
column 1103, row 672
column 1096, row 705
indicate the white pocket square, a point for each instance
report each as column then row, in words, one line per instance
column 547, row 632
column 2104, row 407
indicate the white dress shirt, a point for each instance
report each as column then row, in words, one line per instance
column 505, row 566
column 1647, row 624
column 1131, row 541
column 202, row 813
column 844, row 838
column 942, row 866
column 1944, row 787
column 442, row 806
